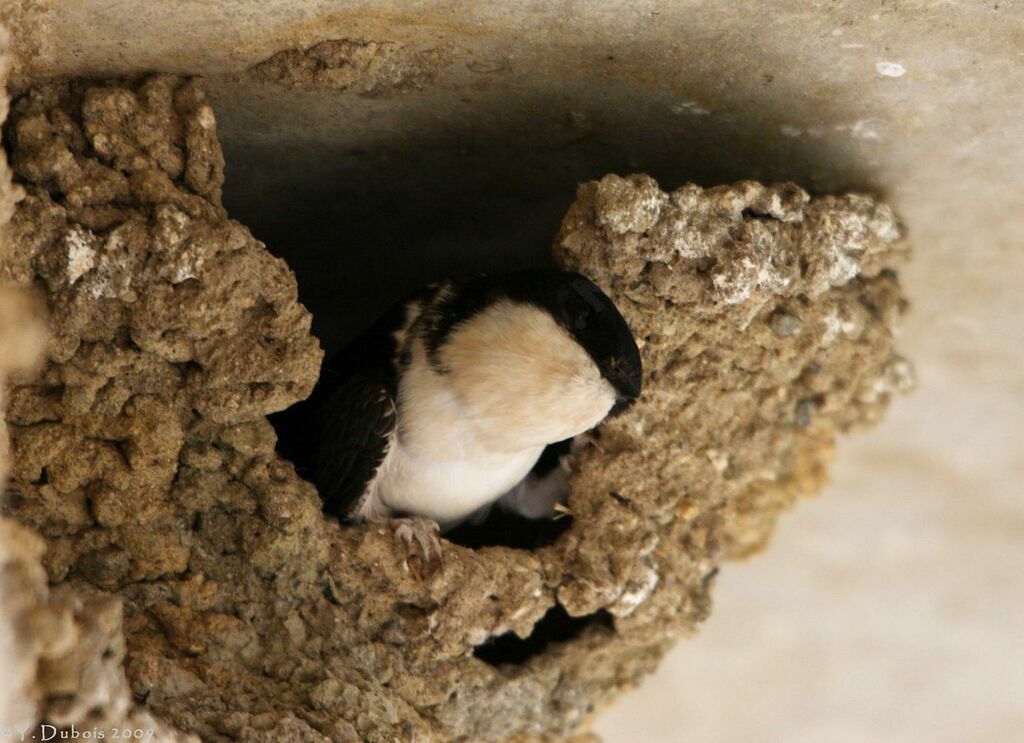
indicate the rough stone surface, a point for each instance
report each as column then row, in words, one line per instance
column 370, row 68
column 65, row 650
column 22, row 26
column 143, row 457
column 741, row 406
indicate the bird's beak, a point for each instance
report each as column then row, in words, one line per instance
column 630, row 389
column 628, row 380
column 622, row 403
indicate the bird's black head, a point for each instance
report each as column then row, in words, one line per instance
column 586, row 312
column 572, row 300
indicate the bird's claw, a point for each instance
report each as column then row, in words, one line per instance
column 561, row 511
column 422, row 541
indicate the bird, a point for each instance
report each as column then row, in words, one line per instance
column 443, row 407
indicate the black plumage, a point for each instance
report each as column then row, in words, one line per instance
column 355, row 426
column 338, row 436
column 572, row 300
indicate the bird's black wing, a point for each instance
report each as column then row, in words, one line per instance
column 337, row 437
column 356, row 422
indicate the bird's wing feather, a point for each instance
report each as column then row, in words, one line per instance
column 357, row 422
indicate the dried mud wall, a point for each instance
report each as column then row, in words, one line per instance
column 142, row 456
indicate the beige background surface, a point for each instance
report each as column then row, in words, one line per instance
column 889, row 610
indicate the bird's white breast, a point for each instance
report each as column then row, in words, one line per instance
column 513, row 382
column 448, row 490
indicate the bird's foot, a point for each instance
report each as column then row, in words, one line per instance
column 422, row 541
column 561, row 511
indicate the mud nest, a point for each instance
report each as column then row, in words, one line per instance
column 181, row 548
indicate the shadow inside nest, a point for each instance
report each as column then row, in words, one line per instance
column 505, row 529
column 556, row 626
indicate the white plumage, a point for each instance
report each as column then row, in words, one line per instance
column 513, row 381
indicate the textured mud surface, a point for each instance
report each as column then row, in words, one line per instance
column 142, row 456
column 370, row 68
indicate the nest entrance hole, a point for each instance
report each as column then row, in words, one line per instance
column 556, row 626
column 364, row 215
